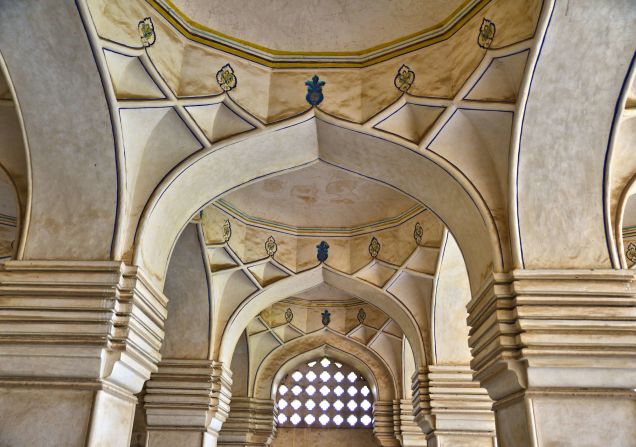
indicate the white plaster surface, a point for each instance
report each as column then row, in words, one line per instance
column 565, row 133
column 69, row 130
column 187, row 327
column 349, row 25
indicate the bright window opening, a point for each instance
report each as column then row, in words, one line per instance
column 324, row 393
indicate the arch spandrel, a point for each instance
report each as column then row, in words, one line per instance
column 68, row 127
column 253, row 305
column 566, row 128
column 383, row 385
column 190, row 187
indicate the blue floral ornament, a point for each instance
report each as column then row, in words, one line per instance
column 322, row 251
column 326, row 318
column 314, row 91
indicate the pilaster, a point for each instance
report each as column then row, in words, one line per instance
column 187, row 402
column 555, row 349
column 75, row 337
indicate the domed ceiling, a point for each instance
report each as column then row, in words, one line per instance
column 327, row 25
column 319, row 198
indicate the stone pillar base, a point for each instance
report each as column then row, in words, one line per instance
column 568, row 419
column 70, row 416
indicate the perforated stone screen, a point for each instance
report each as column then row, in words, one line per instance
column 324, row 393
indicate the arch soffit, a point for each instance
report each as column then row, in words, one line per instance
column 285, row 358
column 256, row 303
column 299, row 142
column 620, row 175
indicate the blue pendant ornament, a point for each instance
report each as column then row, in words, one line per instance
column 326, row 318
column 322, row 251
column 314, row 91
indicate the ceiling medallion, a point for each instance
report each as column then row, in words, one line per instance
column 322, row 251
column 326, row 318
column 226, row 78
column 362, row 315
column 486, row 33
column 314, row 91
column 630, row 253
column 227, row 230
column 418, row 233
column 289, row 315
column 404, row 78
column 146, row 32
column 374, row 247
column 270, row 246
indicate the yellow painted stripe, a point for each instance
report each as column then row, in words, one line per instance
column 314, row 64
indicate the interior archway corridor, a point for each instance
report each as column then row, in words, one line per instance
column 346, row 222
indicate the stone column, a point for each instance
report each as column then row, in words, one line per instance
column 250, row 423
column 186, row 403
column 77, row 342
column 452, row 409
column 556, row 351
column 386, row 423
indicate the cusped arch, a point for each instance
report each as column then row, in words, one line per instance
column 291, row 145
column 336, row 347
column 256, row 303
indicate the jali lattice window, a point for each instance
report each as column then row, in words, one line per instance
column 324, row 393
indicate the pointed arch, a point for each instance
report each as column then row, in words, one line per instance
column 291, row 145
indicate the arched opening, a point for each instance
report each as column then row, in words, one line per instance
column 14, row 172
column 319, row 396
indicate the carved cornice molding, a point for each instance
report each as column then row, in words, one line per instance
column 554, row 328
column 83, row 321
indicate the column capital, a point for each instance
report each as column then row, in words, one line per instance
column 188, row 395
column 250, row 423
column 411, row 434
column 452, row 405
column 79, row 324
column 537, row 329
column 386, row 427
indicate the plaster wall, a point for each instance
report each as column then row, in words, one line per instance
column 66, row 117
column 337, row 437
column 452, row 294
column 584, row 59
column 31, row 417
column 187, row 326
